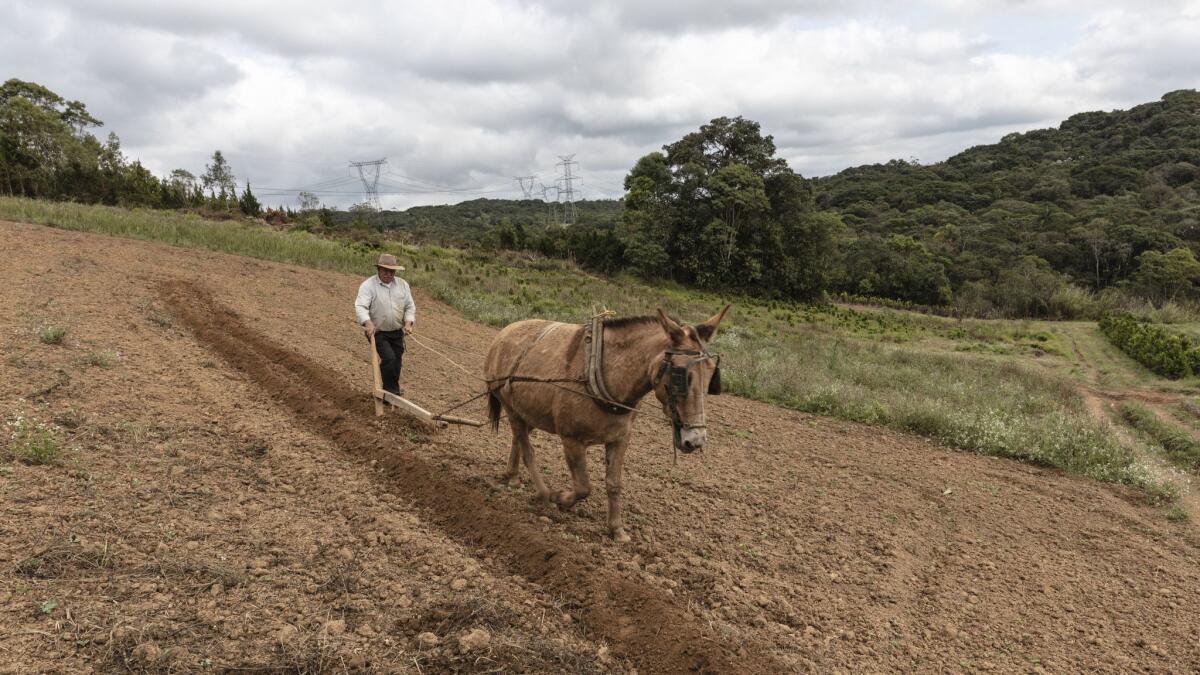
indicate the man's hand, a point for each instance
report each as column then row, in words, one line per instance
column 369, row 329
column 408, row 327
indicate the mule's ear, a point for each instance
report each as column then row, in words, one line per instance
column 674, row 331
column 709, row 328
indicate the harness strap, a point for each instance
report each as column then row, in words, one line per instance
column 517, row 363
column 593, row 340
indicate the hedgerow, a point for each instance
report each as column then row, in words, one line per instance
column 1165, row 352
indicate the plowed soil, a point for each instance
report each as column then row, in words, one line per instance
column 225, row 499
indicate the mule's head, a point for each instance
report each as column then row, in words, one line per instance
column 684, row 374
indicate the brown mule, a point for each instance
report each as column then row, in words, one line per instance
column 537, row 372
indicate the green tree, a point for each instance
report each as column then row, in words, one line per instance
column 248, row 203
column 41, row 136
column 739, row 196
column 1026, row 288
column 896, row 267
column 647, row 219
column 719, row 210
column 218, row 178
column 1163, row 277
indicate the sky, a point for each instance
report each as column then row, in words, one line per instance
column 461, row 96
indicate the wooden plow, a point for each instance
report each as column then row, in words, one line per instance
column 386, row 398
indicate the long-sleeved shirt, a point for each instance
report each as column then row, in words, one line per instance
column 388, row 306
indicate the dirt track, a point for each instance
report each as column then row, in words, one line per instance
column 797, row 543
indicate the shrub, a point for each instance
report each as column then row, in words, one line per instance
column 103, row 359
column 1167, row 353
column 52, row 335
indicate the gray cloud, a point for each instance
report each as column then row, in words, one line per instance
column 683, row 16
column 466, row 94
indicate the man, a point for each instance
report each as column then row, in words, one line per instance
column 385, row 309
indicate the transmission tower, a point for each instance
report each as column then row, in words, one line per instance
column 551, row 205
column 368, row 173
column 568, row 190
column 526, row 183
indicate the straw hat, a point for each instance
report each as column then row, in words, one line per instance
column 388, row 261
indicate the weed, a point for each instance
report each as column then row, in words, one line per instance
column 32, row 442
column 103, row 358
column 52, row 335
column 1177, row 514
column 64, row 556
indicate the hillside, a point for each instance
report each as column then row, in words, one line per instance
column 223, row 500
column 469, row 221
column 1086, row 199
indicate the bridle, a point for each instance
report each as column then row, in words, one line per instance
column 677, row 385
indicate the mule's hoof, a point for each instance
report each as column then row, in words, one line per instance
column 620, row 537
column 511, row 480
column 565, row 500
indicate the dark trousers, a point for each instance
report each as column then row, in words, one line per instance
column 390, row 345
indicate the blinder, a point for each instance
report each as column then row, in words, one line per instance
column 714, row 385
column 677, row 376
column 677, row 386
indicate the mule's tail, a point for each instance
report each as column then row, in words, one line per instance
column 494, row 411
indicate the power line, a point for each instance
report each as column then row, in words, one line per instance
column 279, row 191
column 418, row 180
column 332, row 182
column 421, row 190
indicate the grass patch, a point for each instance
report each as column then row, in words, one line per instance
column 957, row 381
column 971, row 403
column 101, row 358
column 1177, row 443
column 33, row 442
column 1178, row 514
column 52, row 335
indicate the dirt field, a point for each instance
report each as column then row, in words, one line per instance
column 226, row 500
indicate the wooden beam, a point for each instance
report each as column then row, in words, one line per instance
column 404, row 404
column 376, row 377
column 458, row 420
column 417, row 411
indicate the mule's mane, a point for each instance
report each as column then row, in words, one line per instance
column 628, row 321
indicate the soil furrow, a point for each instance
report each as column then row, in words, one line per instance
column 642, row 623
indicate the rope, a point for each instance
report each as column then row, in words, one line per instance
column 452, row 361
column 451, row 345
column 459, row 405
column 513, row 378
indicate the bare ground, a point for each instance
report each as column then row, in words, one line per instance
column 228, row 501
